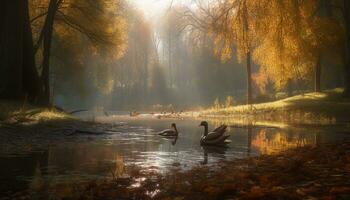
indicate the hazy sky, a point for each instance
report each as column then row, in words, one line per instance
column 152, row 8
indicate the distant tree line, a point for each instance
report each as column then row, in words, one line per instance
column 106, row 53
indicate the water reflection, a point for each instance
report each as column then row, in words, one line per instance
column 117, row 168
column 249, row 140
column 215, row 151
column 268, row 142
column 174, row 140
column 81, row 157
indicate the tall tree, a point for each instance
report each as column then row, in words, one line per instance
column 327, row 37
column 293, row 38
column 346, row 13
column 19, row 77
column 46, row 34
column 282, row 50
column 99, row 21
column 231, row 26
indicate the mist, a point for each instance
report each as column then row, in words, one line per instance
column 162, row 66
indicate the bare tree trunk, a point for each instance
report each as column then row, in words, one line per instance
column 47, row 38
column 318, row 70
column 249, row 79
column 346, row 92
column 145, row 80
column 248, row 55
column 170, row 64
column 31, row 80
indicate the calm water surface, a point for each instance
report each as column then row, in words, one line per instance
column 57, row 159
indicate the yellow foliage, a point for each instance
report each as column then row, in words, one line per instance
column 261, row 80
column 286, row 37
column 88, row 30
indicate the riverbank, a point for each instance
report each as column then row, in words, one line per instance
column 19, row 118
column 12, row 112
column 311, row 172
column 311, row 108
column 46, row 122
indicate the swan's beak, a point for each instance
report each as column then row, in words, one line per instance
column 199, row 125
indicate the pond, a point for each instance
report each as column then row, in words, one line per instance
column 26, row 160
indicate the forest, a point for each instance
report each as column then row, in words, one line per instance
column 90, row 88
column 193, row 53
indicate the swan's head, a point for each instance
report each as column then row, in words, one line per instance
column 203, row 123
column 173, row 125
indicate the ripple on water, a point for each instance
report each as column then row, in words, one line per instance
column 82, row 157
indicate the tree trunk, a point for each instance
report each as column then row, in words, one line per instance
column 318, row 70
column 346, row 92
column 19, row 76
column 249, row 79
column 145, row 78
column 12, row 15
column 248, row 54
column 31, row 80
column 47, row 38
column 289, row 87
column 169, row 57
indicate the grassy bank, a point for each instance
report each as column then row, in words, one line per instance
column 325, row 107
column 18, row 113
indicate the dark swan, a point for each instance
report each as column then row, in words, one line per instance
column 215, row 137
column 170, row 132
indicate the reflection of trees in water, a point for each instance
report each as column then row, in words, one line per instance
column 117, row 168
column 33, row 164
column 37, row 181
column 273, row 142
column 249, row 135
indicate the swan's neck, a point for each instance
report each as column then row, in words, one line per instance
column 176, row 130
column 205, row 130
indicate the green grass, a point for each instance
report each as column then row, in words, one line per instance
column 326, row 104
column 19, row 112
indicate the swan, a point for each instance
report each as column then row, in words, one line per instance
column 215, row 137
column 170, row 132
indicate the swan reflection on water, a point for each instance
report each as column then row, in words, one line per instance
column 218, row 150
column 172, row 139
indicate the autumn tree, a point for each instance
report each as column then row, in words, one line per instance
column 232, row 25
column 292, row 38
column 99, row 21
